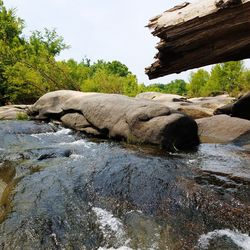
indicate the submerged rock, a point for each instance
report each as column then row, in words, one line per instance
column 117, row 116
column 24, row 127
column 72, row 192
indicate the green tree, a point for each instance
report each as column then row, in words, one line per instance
column 105, row 81
column 232, row 74
column 178, row 87
column 33, row 70
column 10, row 30
column 198, row 81
column 28, row 67
column 155, row 87
column 244, row 81
column 113, row 67
column 225, row 78
column 49, row 40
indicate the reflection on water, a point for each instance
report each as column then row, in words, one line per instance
column 61, row 190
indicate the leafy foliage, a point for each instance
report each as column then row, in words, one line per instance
column 110, row 77
column 29, row 69
column 198, row 81
column 229, row 77
column 178, row 87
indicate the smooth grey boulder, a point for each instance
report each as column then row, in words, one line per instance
column 161, row 97
column 78, row 122
column 14, row 112
column 224, row 129
column 212, row 102
column 118, row 116
column 196, row 107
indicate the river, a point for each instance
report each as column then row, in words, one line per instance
column 62, row 190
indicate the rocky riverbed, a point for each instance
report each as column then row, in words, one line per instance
column 99, row 171
column 62, row 190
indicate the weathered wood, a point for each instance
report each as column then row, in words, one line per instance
column 201, row 33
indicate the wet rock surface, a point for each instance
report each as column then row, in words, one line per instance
column 65, row 191
column 119, row 117
column 24, row 127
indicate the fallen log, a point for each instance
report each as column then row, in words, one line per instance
column 200, row 33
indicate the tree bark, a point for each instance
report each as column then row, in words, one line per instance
column 200, row 33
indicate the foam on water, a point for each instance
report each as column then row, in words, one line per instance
column 76, row 157
column 110, row 225
column 106, row 220
column 63, row 131
column 78, row 142
column 241, row 240
column 120, row 248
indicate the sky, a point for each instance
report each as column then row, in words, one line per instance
column 98, row 29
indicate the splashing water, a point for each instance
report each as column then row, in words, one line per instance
column 241, row 240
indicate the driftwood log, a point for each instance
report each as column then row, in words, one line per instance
column 200, row 33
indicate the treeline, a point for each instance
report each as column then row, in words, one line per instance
column 29, row 69
column 179, row 87
column 230, row 77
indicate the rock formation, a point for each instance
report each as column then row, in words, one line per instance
column 240, row 108
column 13, row 112
column 224, row 129
column 195, row 107
column 117, row 116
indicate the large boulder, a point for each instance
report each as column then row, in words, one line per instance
column 78, row 122
column 13, row 112
column 224, row 129
column 240, row 108
column 161, row 97
column 212, row 102
column 224, row 110
column 52, row 103
column 195, row 107
column 117, row 116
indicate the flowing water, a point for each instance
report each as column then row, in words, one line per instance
column 62, row 190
